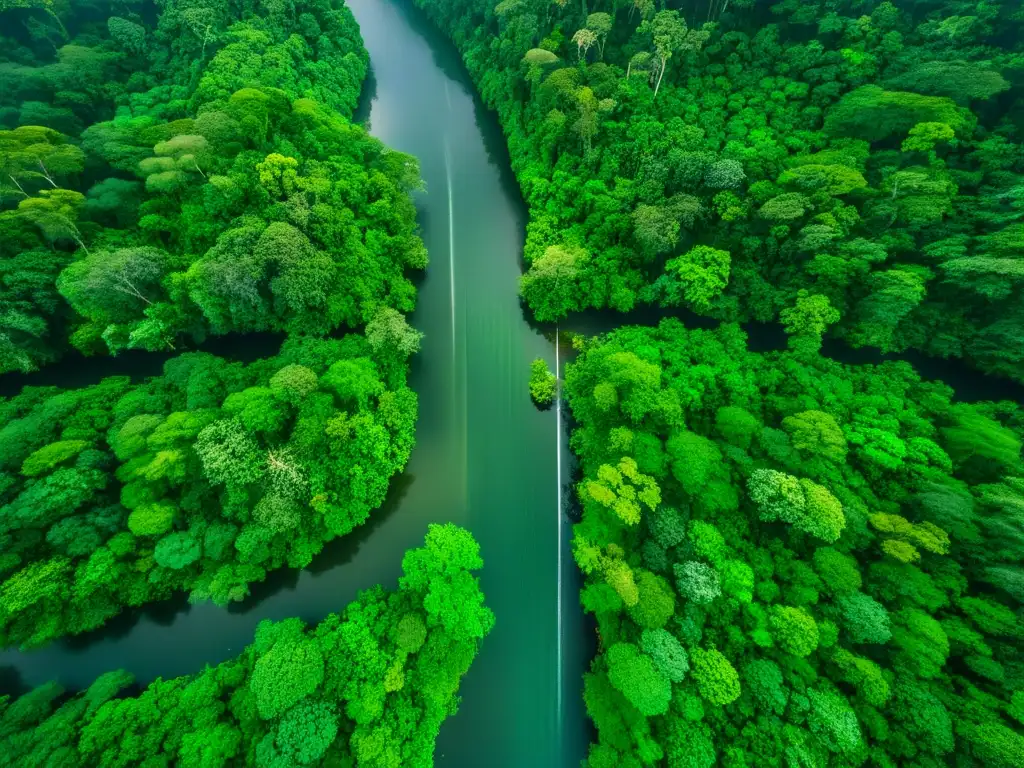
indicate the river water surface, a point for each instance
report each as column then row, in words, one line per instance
column 485, row 457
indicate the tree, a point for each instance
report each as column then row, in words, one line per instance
column 229, row 453
column 50, row 456
column 543, row 384
column 354, row 381
column 129, row 35
column 695, row 278
column 536, row 59
column 294, row 383
column 667, row 526
column 924, row 137
column 994, row 743
column 738, row 581
column 153, row 519
column 389, row 333
column 622, row 489
column 834, row 721
column 286, row 674
column 697, row 582
column 666, row 652
column 763, row 679
column 656, row 229
column 833, row 180
column 655, row 601
column 113, row 199
column 871, row 113
column 585, row 39
column 816, row 434
column 794, row 629
column 669, row 34
column 32, row 153
column 736, row 425
column 55, row 213
column 807, row 320
column 639, row 62
column 838, row 572
column 806, row 505
column 600, row 24
column 442, row 572
column 866, row 620
column 115, row 286
column 724, row 174
column 588, row 107
column 785, row 208
column 635, row 676
column 189, row 152
column 961, row 81
column 895, row 293
column 302, row 736
column 177, row 550
column 278, row 513
column 717, row 680
column 550, row 285
column 924, row 644
column 980, row 446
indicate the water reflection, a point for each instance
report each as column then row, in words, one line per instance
column 11, row 682
column 75, row 370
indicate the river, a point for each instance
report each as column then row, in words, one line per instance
column 485, row 457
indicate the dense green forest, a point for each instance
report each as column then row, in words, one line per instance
column 370, row 685
column 794, row 562
column 725, row 156
column 190, row 169
column 181, row 170
column 202, row 479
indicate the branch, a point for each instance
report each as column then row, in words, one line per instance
column 20, row 188
column 280, row 463
column 127, row 286
column 46, row 174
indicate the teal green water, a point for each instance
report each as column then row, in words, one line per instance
column 485, row 457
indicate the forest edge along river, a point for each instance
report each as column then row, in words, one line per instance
column 485, row 457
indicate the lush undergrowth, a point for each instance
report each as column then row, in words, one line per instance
column 369, row 686
column 793, row 562
column 172, row 171
column 725, row 156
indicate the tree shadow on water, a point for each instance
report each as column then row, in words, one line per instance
column 75, row 370
column 367, row 95
column 164, row 613
column 11, row 682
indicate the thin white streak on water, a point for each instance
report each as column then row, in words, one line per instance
column 558, row 512
column 451, row 237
